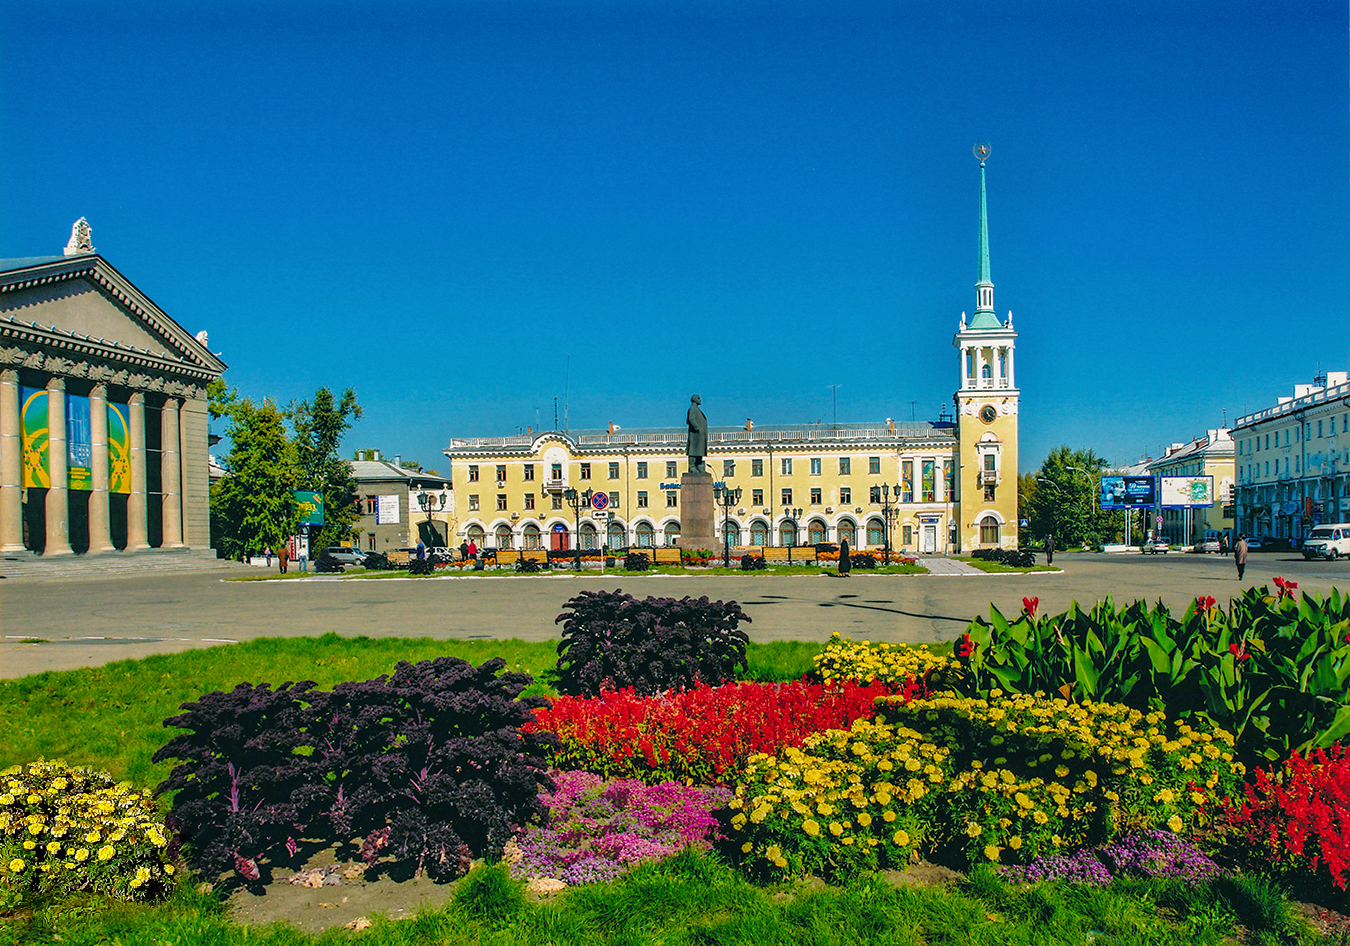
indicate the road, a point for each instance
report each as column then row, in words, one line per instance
column 51, row 625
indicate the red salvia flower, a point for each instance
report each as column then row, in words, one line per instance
column 1029, row 605
column 964, row 646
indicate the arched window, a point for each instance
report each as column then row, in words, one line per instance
column 503, row 537
column 847, row 533
column 644, row 535
column 616, row 538
column 589, row 537
column 532, row 540
column 733, row 534
column 787, row 533
column 876, row 533
column 476, row 535
column 672, row 533
column 816, row 531
column 759, row 532
column 989, row 531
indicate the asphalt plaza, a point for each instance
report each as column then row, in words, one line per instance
column 48, row 624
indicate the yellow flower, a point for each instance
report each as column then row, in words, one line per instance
column 811, row 827
column 82, row 854
column 992, row 851
column 836, row 828
column 1015, row 842
column 53, row 847
column 888, row 816
column 973, row 829
column 6, row 799
column 168, row 868
column 780, row 862
column 92, row 837
column 864, row 819
column 745, row 848
column 17, row 865
column 105, row 852
column 900, row 838
column 1040, row 817
column 1175, row 824
column 1165, row 796
column 29, row 845
column 774, row 852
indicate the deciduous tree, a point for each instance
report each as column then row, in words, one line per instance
column 320, row 424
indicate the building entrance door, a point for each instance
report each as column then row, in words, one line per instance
column 929, row 538
column 559, row 535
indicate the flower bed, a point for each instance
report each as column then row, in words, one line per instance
column 704, row 734
column 595, row 830
column 892, row 664
column 1144, row 854
column 64, row 829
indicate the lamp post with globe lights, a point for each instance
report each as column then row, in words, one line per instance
column 726, row 497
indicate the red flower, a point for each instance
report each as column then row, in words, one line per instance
column 1240, row 652
column 1029, row 605
column 1287, row 588
column 1204, row 602
column 965, row 646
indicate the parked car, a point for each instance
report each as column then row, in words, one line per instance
column 1155, row 547
column 1329, row 541
column 346, row 554
column 1255, row 544
column 1208, row 545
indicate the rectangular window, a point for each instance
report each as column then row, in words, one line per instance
column 845, row 466
column 370, row 541
column 929, row 481
column 501, row 502
column 473, row 502
column 473, row 472
column 787, row 497
column 949, row 481
column 1345, row 423
column 756, row 467
column 989, row 463
column 1267, row 441
column 529, row 472
column 845, row 496
column 613, row 500
column 815, row 495
column 614, row 471
column 555, row 473
column 906, row 535
column 757, row 497
column 907, row 481
column 642, row 499
column 815, row 466
column 728, row 469
column 874, row 465
column 989, row 493
column 642, row 470
column 557, row 501
column 372, row 504
column 672, row 498
column 585, row 473
column 529, row 500
column 501, row 473
column 1319, row 428
column 874, row 494
column 785, row 466
column 671, row 472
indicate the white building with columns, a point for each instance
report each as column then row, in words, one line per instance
column 103, row 412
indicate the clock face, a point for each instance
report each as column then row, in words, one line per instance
column 988, row 413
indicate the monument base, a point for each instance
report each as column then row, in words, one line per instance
column 697, row 511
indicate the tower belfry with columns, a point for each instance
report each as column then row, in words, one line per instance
column 986, row 408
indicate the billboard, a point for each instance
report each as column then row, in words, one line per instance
column 1128, row 492
column 1186, row 491
column 386, row 510
column 311, row 507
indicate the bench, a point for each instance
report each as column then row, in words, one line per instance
column 800, row 555
column 533, row 555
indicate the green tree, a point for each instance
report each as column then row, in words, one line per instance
column 1026, row 498
column 254, row 506
column 320, row 424
column 1063, row 498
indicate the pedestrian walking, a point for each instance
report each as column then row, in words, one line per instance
column 464, row 551
column 304, row 559
column 267, row 552
column 845, row 560
column 1049, row 549
column 283, row 558
column 473, row 549
column 1240, row 554
column 421, row 551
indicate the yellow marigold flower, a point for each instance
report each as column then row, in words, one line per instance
column 774, row 852
column 1015, row 842
column 811, row 827
column 1165, row 796
column 1056, row 840
column 992, row 851
column 93, row 837
column 888, row 816
column 82, row 854
column 864, row 819
column 17, row 865
column 745, row 848
column 1175, row 824
column 168, row 868
column 1023, row 801
column 29, row 845
column 836, row 828
column 35, row 828
column 780, row 862
column 105, row 852
column 34, row 798
column 1040, row 817
column 973, row 829
column 53, row 847
column 824, row 808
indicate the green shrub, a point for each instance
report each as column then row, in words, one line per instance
column 490, row 893
column 530, row 566
column 753, row 563
column 421, row 567
column 64, row 829
column 637, row 562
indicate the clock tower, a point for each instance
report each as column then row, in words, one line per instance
column 986, row 411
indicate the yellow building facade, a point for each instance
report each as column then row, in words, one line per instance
column 938, row 487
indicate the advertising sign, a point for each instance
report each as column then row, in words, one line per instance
column 33, row 429
column 119, row 449
column 79, row 443
column 311, row 507
column 386, row 510
column 1186, row 491
column 1128, row 492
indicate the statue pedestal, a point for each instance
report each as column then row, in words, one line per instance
column 697, row 510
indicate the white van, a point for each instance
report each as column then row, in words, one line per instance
column 1329, row 541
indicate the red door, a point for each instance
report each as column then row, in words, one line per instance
column 559, row 543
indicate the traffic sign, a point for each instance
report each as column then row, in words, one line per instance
column 1157, row 520
column 600, row 500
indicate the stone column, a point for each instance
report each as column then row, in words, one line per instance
column 100, row 531
column 137, row 503
column 172, row 476
column 1012, row 377
column 58, row 502
column 11, row 464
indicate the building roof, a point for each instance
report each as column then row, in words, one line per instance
column 1334, row 387
column 7, row 264
column 370, row 471
column 1217, row 444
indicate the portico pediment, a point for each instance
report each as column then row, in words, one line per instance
column 84, row 307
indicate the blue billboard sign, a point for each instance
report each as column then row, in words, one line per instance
column 1129, row 492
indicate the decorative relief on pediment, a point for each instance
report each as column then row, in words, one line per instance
column 55, row 364
column 34, row 359
column 120, row 378
column 81, row 239
column 12, row 355
column 100, row 372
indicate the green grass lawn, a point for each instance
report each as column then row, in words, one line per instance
column 694, row 899
column 997, row 568
column 112, row 717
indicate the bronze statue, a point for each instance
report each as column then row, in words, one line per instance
column 698, row 435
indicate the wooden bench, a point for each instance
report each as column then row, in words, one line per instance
column 666, row 556
column 533, row 555
column 800, row 555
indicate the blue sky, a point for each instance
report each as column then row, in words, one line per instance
column 460, row 209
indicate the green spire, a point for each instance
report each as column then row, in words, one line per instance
column 984, row 316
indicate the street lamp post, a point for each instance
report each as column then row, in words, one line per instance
column 888, row 500
column 578, row 501
column 429, row 505
column 726, row 497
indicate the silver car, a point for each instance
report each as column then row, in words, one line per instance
column 346, row 554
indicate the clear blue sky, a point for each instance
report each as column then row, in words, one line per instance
column 438, row 203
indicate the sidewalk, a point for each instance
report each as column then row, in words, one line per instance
column 946, row 566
